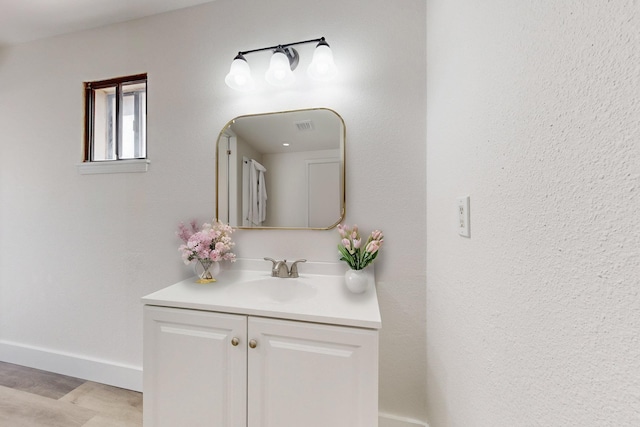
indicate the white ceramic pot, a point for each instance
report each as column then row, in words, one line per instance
column 357, row 281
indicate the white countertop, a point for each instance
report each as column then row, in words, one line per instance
column 325, row 298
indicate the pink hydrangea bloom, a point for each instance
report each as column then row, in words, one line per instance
column 211, row 241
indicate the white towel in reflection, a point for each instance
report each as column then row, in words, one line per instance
column 257, row 194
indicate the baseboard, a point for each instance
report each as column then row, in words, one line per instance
column 100, row 371
column 387, row 420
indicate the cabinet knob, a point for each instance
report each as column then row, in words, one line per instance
column 235, row 341
column 253, row 343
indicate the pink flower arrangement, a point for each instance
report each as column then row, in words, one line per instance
column 209, row 242
column 352, row 250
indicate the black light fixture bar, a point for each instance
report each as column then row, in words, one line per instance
column 282, row 46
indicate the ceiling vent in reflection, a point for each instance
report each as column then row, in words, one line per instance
column 304, row 125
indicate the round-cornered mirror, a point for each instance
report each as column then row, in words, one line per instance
column 282, row 170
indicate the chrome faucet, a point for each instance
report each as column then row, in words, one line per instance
column 280, row 268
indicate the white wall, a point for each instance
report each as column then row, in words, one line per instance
column 533, row 110
column 77, row 251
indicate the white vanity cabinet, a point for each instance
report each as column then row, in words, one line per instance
column 256, row 366
column 305, row 374
column 193, row 374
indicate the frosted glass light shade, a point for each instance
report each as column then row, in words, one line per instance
column 239, row 76
column 322, row 66
column 279, row 72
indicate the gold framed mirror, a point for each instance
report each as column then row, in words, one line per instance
column 282, row 170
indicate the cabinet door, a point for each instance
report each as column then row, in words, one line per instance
column 304, row 374
column 193, row 374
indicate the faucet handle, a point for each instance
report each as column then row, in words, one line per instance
column 293, row 271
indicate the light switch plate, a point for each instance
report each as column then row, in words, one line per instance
column 463, row 216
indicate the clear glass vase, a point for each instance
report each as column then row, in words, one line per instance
column 206, row 270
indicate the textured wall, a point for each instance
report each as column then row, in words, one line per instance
column 77, row 252
column 534, row 111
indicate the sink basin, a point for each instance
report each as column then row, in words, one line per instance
column 275, row 289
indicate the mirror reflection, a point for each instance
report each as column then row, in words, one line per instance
column 282, row 170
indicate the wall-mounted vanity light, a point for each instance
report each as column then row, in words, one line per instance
column 283, row 61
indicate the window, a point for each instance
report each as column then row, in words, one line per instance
column 116, row 119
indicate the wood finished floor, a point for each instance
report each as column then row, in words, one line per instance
column 33, row 398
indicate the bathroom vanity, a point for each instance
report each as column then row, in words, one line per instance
column 257, row 351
